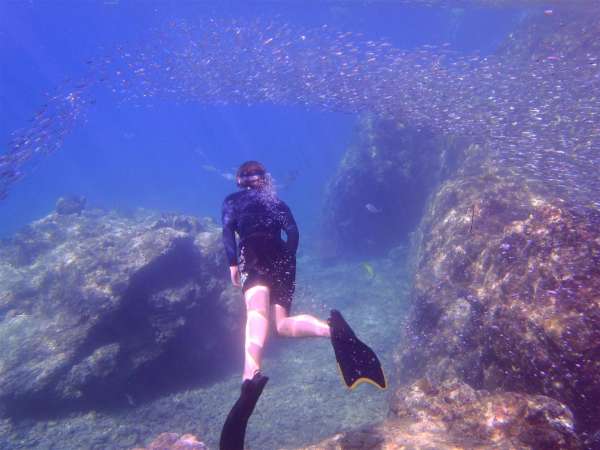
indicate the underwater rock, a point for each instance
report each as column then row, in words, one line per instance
column 452, row 415
column 380, row 188
column 506, row 292
column 97, row 308
column 172, row 441
column 470, row 417
column 187, row 224
column 101, row 364
column 73, row 204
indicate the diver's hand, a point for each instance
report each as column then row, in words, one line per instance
column 235, row 276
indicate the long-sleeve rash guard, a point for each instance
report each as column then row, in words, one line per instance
column 253, row 211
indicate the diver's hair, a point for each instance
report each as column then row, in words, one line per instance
column 251, row 174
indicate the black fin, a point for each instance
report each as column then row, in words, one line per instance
column 234, row 429
column 358, row 363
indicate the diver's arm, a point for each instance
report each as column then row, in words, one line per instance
column 291, row 229
column 234, row 275
column 229, row 225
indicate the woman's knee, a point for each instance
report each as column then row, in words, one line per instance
column 282, row 327
column 281, row 322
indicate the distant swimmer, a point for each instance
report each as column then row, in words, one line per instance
column 372, row 208
column 263, row 265
column 369, row 269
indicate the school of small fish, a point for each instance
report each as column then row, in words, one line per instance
column 534, row 104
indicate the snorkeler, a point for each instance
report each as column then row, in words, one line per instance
column 266, row 272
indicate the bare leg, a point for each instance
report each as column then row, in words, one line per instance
column 302, row 325
column 257, row 327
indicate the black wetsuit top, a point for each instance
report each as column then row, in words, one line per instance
column 255, row 212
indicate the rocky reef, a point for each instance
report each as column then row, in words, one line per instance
column 103, row 308
column 98, row 308
column 452, row 415
column 506, row 292
column 380, row 189
column 505, row 295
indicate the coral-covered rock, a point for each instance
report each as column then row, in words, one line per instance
column 172, row 441
column 379, row 191
column 97, row 307
column 484, row 418
column 507, row 293
column 453, row 415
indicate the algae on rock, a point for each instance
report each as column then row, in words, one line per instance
column 97, row 307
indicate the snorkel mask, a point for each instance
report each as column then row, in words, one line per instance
column 251, row 174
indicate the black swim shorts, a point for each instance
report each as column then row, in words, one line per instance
column 265, row 261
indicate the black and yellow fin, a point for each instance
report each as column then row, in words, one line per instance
column 234, row 429
column 357, row 362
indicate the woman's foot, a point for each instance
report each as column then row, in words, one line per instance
column 234, row 429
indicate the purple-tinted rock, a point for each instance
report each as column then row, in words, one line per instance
column 506, row 293
column 172, row 441
column 452, row 415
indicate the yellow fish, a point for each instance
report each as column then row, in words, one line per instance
column 369, row 269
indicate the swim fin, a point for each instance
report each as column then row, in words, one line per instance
column 357, row 362
column 234, row 429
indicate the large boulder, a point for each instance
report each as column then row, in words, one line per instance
column 452, row 415
column 97, row 307
column 377, row 196
column 507, row 292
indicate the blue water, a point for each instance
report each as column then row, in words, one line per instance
column 127, row 157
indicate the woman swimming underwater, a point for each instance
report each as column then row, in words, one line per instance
column 264, row 266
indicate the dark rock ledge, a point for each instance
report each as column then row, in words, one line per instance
column 380, row 189
column 96, row 308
